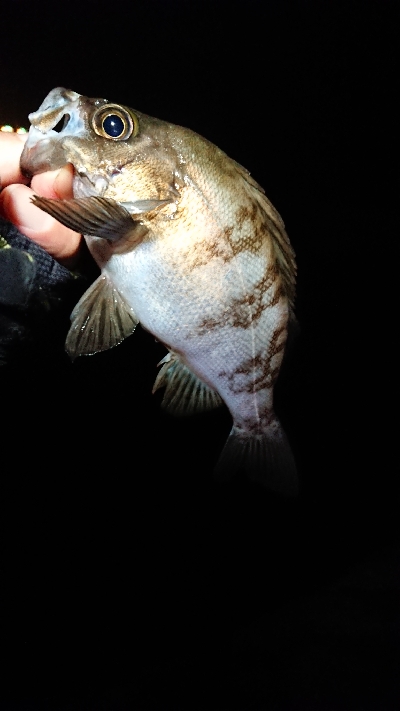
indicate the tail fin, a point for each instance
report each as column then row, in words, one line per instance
column 265, row 458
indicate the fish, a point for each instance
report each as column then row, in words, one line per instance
column 190, row 247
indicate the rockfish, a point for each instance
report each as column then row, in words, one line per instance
column 189, row 246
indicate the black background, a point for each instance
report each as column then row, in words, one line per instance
column 129, row 579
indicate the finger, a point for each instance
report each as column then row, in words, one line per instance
column 59, row 241
column 11, row 145
column 55, row 183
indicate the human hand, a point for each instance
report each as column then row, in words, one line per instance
column 15, row 202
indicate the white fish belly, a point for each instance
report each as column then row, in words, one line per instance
column 225, row 319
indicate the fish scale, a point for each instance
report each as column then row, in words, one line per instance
column 188, row 246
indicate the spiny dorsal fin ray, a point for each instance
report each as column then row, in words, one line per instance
column 100, row 320
column 185, row 393
column 283, row 249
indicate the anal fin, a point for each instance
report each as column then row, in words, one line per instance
column 185, row 393
column 101, row 320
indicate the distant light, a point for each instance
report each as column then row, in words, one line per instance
column 9, row 129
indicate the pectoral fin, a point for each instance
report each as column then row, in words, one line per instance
column 100, row 320
column 185, row 393
column 97, row 216
column 141, row 206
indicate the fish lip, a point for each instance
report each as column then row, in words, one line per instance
column 41, row 156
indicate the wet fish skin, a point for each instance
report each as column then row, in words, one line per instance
column 190, row 247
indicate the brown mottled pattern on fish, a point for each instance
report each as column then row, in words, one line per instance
column 266, row 374
column 245, row 311
column 199, row 257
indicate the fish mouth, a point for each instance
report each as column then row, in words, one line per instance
column 41, row 153
column 44, row 157
column 48, row 154
column 61, row 116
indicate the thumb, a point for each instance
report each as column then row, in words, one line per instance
column 59, row 241
column 54, row 183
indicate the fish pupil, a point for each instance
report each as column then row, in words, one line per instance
column 113, row 126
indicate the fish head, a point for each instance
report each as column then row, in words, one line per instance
column 116, row 152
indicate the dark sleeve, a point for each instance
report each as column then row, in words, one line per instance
column 48, row 272
column 37, row 295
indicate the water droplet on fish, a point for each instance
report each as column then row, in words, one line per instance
column 100, row 185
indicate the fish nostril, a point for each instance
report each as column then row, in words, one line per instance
column 62, row 123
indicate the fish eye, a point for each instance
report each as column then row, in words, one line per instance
column 115, row 122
